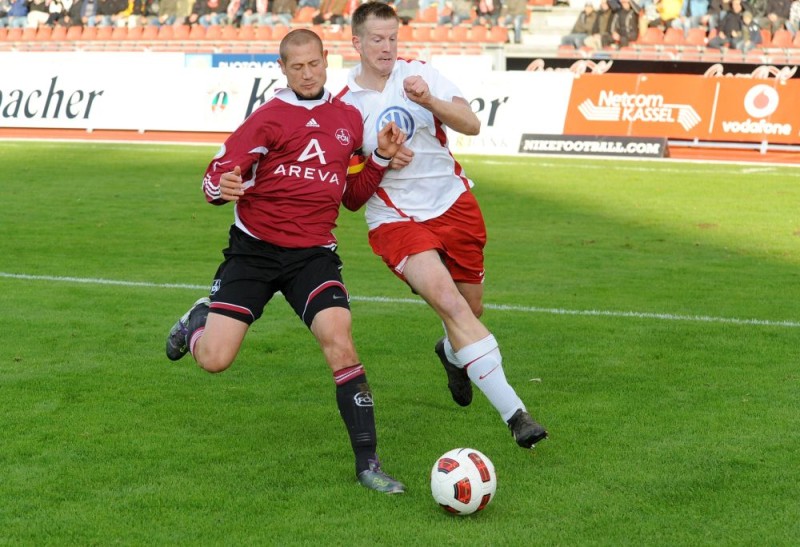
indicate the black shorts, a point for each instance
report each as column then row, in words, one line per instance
column 254, row 270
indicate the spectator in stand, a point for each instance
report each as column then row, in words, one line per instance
column 668, row 11
column 624, row 25
column 487, row 12
column 459, row 11
column 108, row 12
column 167, row 12
column 582, row 28
column 716, row 11
column 751, row 33
column 730, row 28
column 407, row 10
column 18, row 14
column 777, row 14
column 5, row 5
column 514, row 14
column 184, row 11
column 793, row 24
column 38, row 13
column 330, row 11
column 601, row 31
column 88, row 13
column 694, row 14
column 143, row 13
column 255, row 13
column 65, row 13
column 209, row 13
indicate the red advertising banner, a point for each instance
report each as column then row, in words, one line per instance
column 685, row 107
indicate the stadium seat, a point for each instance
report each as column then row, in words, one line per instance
column 796, row 41
column 781, row 39
column 134, row 33
column 673, row 36
column 405, row 33
column 166, row 32
column 443, row 34
column 422, row 34
column 766, row 37
column 181, row 32
column 498, row 34
column 118, row 33
column 3, row 34
column 229, row 33
column 43, row 33
column 74, row 33
column 304, row 15
column 197, row 32
column 249, row 32
column 696, row 37
column 29, row 34
column 479, row 34
column 15, row 34
column 651, row 37
column 428, row 15
column 150, row 32
column 88, row 33
column 213, row 32
column 279, row 31
column 262, row 33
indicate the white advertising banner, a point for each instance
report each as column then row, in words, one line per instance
column 167, row 92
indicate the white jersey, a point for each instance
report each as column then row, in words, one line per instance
column 434, row 180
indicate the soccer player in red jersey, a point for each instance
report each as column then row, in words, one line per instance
column 423, row 219
column 287, row 169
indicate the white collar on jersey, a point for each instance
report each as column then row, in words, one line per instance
column 288, row 96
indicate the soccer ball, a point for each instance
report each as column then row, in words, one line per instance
column 463, row 481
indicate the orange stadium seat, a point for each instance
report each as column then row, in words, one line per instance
column 696, row 37
column 229, row 33
column 150, row 32
column 263, row 33
column 3, row 34
column 459, row 33
column 15, row 34
column 213, row 32
column 498, row 34
column 88, row 33
column 796, row 41
column 181, row 32
column 673, row 36
column 134, row 33
column 248, row 32
column 422, row 34
column 479, row 34
column 405, row 33
column 119, row 33
column 59, row 33
column 29, row 34
column 444, row 34
column 428, row 15
column 43, row 33
column 782, row 39
column 279, row 31
column 651, row 37
column 74, row 33
column 197, row 32
column 304, row 15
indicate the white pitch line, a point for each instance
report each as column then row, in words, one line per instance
column 386, row 299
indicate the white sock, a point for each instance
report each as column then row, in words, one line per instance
column 450, row 353
column 484, row 366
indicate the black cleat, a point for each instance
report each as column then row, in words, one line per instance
column 177, row 344
column 375, row 479
column 457, row 379
column 525, row 430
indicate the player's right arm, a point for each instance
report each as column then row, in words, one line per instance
column 223, row 180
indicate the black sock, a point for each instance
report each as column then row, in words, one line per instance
column 354, row 398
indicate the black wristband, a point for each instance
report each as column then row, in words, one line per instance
column 380, row 157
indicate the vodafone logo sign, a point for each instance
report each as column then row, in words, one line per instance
column 761, row 101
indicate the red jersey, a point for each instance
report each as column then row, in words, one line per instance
column 294, row 156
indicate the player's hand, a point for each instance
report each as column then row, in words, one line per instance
column 390, row 139
column 231, row 187
column 402, row 158
column 417, row 90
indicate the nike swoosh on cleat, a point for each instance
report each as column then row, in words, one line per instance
column 482, row 376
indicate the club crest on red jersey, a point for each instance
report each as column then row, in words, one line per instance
column 343, row 136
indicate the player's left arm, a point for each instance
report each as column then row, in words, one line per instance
column 455, row 114
column 364, row 175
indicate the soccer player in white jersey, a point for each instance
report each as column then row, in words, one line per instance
column 286, row 171
column 424, row 220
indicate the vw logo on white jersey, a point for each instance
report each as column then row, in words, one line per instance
column 401, row 117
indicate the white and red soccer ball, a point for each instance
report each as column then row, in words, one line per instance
column 463, row 481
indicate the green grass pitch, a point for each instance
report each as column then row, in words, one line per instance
column 647, row 313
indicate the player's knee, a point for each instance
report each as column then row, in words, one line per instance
column 214, row 362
